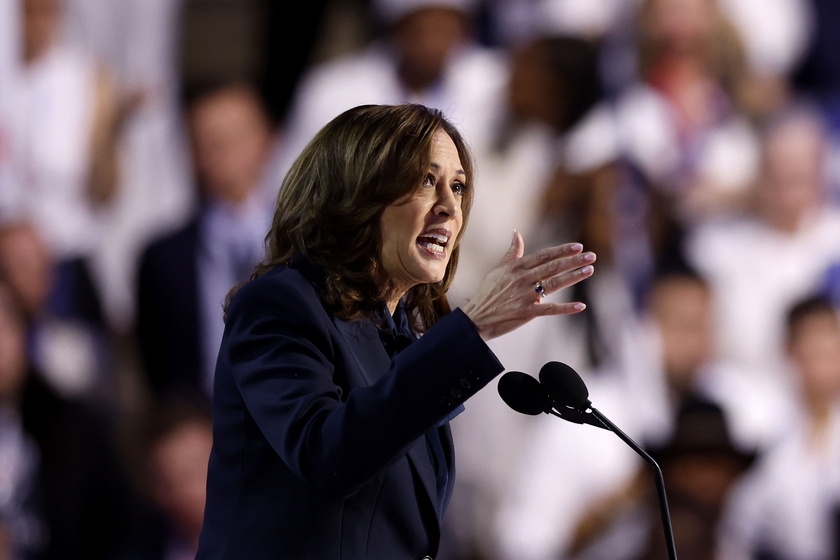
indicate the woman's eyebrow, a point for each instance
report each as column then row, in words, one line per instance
column 436, row 167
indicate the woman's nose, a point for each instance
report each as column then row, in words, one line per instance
column 448, row 204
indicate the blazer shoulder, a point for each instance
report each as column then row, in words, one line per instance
column 280, row 288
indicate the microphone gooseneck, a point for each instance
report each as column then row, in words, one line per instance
column 561, row 391
column 664, row 512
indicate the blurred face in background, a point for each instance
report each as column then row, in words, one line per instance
column 178, row 464
column 231, row 137
column 682, row 309
column 13, row 363
column 425, row 39
column 535, row 93
column 681, row 26
column 26, row 265
column 791, row 181
column 814, row 349
column 41, row 24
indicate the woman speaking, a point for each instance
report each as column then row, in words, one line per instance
column 342, row 362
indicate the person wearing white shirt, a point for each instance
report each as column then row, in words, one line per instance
column 762, row 260
column 426, row 53
column 787, row 508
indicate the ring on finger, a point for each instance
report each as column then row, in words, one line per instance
column 538, row 287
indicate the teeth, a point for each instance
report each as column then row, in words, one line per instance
column 432, row 246
column 433, row 241
column 442, row 239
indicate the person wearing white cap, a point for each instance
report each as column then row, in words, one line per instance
column 425, row 51
column 390, row 11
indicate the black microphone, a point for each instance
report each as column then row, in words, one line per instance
column 523, row 393
column 526, row 395
column 565, row 386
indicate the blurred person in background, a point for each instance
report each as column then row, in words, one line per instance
column 818, row 77
column 775, row 36
column 787, row 511
column 818, row 74
column 72, row 354
column 175, row 438
column 11, row 62
column 22, row 526
column 774, row 252
column 5, row 544
column 67, row 154
column 604, row 205
column 141, row 41
column 684, row 122
column 64, row 491
column 422, row 51
column 604, row 23
column 553, row 120
column 553, row 92
column 184, row 275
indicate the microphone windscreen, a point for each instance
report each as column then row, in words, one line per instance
column 523, row 393
column 564, row 385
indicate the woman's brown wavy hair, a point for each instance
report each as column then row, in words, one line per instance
column 331, row 200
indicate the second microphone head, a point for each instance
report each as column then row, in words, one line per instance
column 523, row 393
column 564, row 385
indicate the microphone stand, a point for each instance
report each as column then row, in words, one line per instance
column 660, row 481
column 524, row 395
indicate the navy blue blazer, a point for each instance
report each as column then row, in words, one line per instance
column 323, row 444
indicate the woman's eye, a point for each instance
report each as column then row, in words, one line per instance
column 429, row 181
column 459, row 188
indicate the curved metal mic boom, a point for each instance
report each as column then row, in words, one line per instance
column 562, row 392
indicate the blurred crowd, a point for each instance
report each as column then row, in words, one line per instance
column 694, row 145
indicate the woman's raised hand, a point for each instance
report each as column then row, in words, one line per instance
column 512, row 293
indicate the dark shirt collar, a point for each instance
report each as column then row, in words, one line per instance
column 394, row 330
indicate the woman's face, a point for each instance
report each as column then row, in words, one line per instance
column 419, row 231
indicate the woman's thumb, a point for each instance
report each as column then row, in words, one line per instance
column 516, row 249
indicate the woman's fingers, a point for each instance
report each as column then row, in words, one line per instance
column 559, row 274
column 545, row 257
column 512, row 294
column 559, row 308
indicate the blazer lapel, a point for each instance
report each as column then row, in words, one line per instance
column 449, row 451
column 372, row 359
column 365, row 347
column 424, row 469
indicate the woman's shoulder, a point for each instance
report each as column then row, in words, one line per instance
column 279, row 282
column 279, row 302
column 281, row 287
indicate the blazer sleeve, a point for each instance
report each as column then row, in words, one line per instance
column 285, row 354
